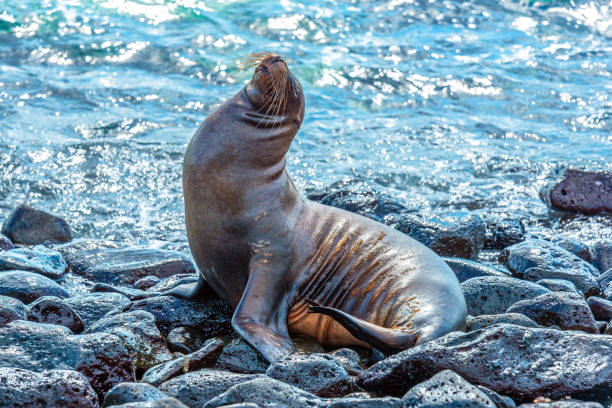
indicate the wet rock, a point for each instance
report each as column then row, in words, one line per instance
column 139, row 335
column 361, row 198
column 160, row 403
column 105, row 262
column 558, row 285
column 349, row 359
column 565, row 310
column 460, row 234
column 212, row 317
column 174, row 281
column 446, row 389
column 602, row 326
column 29, row 286
column 31, row 226
column 198, row 387
column 604, row 279
column 132, row 392
column 512, row 360
column 11, row 309
column 129, row 293
column 185, row 339
column 546, row 260
column 483, row 321
column 240, row 357
column 608, row 330
column 93, row 307
column 575, row 247
column 500, row 401
column 203, row 358
column 494, row 294
column 579, row 191
column 502, row 230
column 607, row 292
column 100, row 357
column 570, row 403
column 466, row 269
column 602, row 255
column 39, row 259
column 346, row 402
column 601, row 308
column 53, row 310
column 50, row 389
column 146, row 282
column 320, row 374
column 266, row 392
column 5, row 243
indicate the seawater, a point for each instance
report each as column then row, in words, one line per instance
column 445, row 104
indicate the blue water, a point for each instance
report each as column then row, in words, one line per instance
column 446, row 104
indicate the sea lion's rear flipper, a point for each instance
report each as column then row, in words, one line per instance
column 386, row 340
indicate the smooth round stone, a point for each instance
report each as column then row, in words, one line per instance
column 240, row 357
column 5, row 243
column 146, row 282
column 465, row 269
column 601, row 308
column 53, row 310
column 93, row 307
column 31, row 226
column 39, row 259
column 11, row 309
column 29, row 286
column 557, row 285
column 602, row 255
column 587, row 192
column 483, row 321
column 132, row 392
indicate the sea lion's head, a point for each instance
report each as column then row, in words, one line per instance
column 275, row 93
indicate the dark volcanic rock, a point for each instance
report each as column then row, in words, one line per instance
column 566, row 310
column 160, row 403
column 50, row 389
column 185, row 339
column 360, row 198
column 39, row 259
column 601, row 308
column 100, row 357
column 350, row 360
column 11, row 309
column 602, row 255
column 211, row 316
column 203, row 358
column 240, row 357
column 174, row 281
column 446, row 389
column 575, row 247
column 349, row 402
column 139, row 335
column 5, row 243
column 500, row 401
column 130, row 293
column 29, row 286
column 494, row 294
column 320, row 374
column 558, row 285
column 604, row 279
column 146, row 282
column 502, row 230
column 266, row 392
column 93, row 307
column 579, row 191
column 482, row 321
column 132, row 392
column 512, row 360
column 570, row 403
column 105, row 262
column 466, row 269
column 196, row 388
column 53, row 310
column 546, row 260
column 460, row 234
column 31, row 226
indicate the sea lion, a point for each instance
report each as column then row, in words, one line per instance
column 290, row 265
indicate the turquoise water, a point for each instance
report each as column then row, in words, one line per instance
column 446, row 104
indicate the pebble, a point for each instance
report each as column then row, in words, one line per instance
column 32, row 226
column 198, row 387
column 520, row 362
column 601, row 308
column 140, row 336
column 445, row 389
column 347, row 402
column 106, row 262
column 100, row 357
column 566, row 310
column 126, row 392
column 160, row 403
column 93, row 307
column 53, row 310
column 579, row 191
column 494, row 294
column 203, row 358
column 146, row 282
column 465, row 269
column 29, row 286
column 48, row 388
column 459, row 234
column 602, row 255
column 558, row 285
column 575, row 247
column 319, row 374
column 38, row 259
column 483, row 321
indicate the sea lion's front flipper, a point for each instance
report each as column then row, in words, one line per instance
column 386, row 340
column 261, row 315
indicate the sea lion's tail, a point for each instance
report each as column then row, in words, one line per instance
column 386, row 340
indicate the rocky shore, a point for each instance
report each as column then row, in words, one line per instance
column 77, row 331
